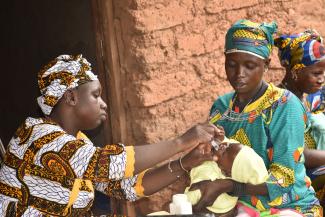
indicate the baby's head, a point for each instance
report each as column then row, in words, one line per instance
column 227, row 153
column 241, row 163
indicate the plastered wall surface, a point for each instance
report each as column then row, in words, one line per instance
column 172, row 62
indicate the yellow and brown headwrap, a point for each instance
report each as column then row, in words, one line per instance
column 63, row 73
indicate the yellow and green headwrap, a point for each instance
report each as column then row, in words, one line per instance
column 61, row 74
column 300, row 50
column 249, row 37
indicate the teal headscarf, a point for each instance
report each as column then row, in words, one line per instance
column 249, row 37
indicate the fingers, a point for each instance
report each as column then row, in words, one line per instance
column 206, row 152
column 210, row 131
column 203, row 203
column 200, row 205
column 195, row 186
column 215, row 157
column 203, row 133
column 204, row 148
column 216, row 131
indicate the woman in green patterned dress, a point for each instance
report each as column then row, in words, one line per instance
column 268, row 119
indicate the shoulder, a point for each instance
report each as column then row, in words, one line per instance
column 221, row 103
column 43, row 131
column 288, row 110
column 33, row 128
column 290, row 101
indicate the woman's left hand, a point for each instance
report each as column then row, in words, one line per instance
column 210, row 190
column 201, row 153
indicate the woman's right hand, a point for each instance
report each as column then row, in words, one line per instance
column 210, row 190
column 200, row 133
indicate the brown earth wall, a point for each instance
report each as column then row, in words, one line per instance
column 172, row 62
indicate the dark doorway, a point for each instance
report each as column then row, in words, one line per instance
column 32, row 34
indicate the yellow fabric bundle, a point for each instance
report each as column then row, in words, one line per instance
column 248, row 167
column 209, row 170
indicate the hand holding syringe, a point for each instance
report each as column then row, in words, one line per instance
column 217, row 140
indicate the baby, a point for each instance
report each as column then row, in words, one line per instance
column 235, row 161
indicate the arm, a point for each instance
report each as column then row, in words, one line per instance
column 210, row 190
column 146, row 156
column 158, row 178
column 114, row 162
column 314, row 158
column 155, row 179
column 316, row 133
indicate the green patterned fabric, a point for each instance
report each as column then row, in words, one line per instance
column 274, row 127
column 254, row 38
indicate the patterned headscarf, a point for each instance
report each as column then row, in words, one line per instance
column 249, row 37
column 300, row 50
column 63, row 73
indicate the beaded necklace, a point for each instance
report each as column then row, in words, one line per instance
column 256, row 95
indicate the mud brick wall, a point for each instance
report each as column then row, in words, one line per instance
column 172, row 62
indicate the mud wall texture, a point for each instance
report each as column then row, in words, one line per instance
column 172, row 62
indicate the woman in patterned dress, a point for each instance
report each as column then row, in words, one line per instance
column 266, row 118
column 51, row 169
column 303, row 56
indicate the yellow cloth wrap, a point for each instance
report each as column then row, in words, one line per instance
column 248, row 167
column 209, row 170
column 78, row 183
column 139, row 189
column 130, row 160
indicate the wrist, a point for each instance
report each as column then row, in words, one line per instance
column 227, row 184
column 238, row 189
column 183, row 164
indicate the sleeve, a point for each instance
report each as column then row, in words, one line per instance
column 129, row 188
column 287, row 136
column 111, row 162
column 111, row 168
column 114, row 162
